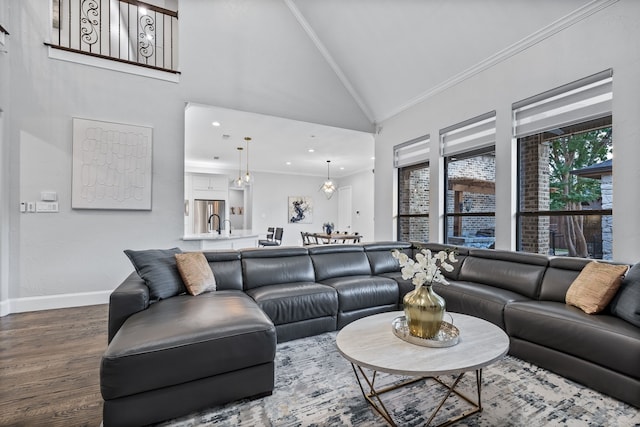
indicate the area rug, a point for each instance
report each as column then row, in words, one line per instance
column 315, row 386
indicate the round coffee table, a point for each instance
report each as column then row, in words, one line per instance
column 370, row 343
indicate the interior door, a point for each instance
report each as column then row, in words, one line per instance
column 344, row 209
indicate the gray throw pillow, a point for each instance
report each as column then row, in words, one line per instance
column 158, row 269
column 626, row 303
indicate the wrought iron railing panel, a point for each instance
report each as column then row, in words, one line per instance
column 123, row 30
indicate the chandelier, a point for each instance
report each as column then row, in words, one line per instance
column 328, row 188
column 239, row 183
column 248, row 178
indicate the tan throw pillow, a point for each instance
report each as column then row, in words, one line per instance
column 196, row 273
column 595, row 286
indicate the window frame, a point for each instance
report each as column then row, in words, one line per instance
column 581, row 127
column 401, row 216
column 461, row 215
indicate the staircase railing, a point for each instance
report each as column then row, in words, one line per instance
column 127, row 31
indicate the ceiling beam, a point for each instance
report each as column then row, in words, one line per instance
column 332, row 63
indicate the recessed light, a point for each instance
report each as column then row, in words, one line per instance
column 288, row 163
column 216, row 124
column 311, row 150
column 341, row 168
column 373, row 158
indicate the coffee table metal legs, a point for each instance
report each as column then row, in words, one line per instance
column 373, row 395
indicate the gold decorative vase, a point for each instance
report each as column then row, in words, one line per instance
column 423, row 309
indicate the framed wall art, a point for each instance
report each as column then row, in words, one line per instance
column 111, row 165
column 300, row 210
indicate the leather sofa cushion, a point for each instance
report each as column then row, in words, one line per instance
column 562, row 271
column 602, row 339
column 517, row 272
column 344, row 318
column 356, row 292
column 404, row 285
column 476, row 299
column 626, row 303
column 275, row 266
column 226, row 268
column 182, row 339
column 294, row 302
column 336, row 261
column 380, row 258
column 131, row 296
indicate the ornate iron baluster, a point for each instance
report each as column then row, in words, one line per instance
column 146, row 37
column 89, row 21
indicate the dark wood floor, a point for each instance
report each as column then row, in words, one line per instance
column 49, row 366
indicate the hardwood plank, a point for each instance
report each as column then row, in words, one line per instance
column 50, row 365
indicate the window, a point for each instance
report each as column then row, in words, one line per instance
column 413, row 203
column 565, row 168
column 470, row 175
column 565, row 189
column 470, row 199
column 411, row 159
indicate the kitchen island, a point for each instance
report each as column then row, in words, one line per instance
column 237, row 239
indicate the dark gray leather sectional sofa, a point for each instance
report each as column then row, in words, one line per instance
column 184, row 353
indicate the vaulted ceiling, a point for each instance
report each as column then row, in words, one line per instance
column 351, row 63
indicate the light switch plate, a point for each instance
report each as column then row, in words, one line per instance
column 47, row 207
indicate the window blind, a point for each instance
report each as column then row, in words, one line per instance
column 472, row 134
column 583, row 100
column 411, row 152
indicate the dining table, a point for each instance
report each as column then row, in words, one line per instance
column 335, row 237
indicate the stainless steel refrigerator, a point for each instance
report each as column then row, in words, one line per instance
column 205, row 209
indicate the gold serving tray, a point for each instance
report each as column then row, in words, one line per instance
column 447, row 336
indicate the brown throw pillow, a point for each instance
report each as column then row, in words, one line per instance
column 196, row 273
column 595, row 286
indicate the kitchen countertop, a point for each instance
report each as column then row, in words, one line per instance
column 235, row 234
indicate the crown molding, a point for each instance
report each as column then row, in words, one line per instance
column 544, row 33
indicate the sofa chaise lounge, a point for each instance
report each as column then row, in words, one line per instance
column 175, row 354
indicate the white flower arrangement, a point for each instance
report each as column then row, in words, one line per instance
column 426, row 267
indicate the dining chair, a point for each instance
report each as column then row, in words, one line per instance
column 305, row 238
column 269, row 240
column 277, row 238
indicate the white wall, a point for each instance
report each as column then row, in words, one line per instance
column 608, row 39
column 75, row 257
column 270, row 201
column 4, row 170
column 362, row 203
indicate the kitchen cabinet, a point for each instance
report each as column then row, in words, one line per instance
column 209, row 187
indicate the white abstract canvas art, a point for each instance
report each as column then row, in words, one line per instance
column 111, row 166
column 300, row 210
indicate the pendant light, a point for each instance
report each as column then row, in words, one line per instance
column 248, row 178
column 328, row 188
column 239, row 183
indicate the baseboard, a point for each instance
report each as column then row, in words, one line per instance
column 4, row 308
column 50, row 302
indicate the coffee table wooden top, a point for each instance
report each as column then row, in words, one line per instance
column 369, row 342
